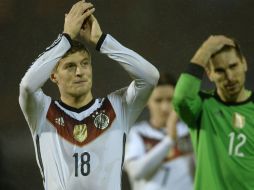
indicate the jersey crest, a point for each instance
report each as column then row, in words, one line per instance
column 84, row 131
column 101, row 120
column 238, row 120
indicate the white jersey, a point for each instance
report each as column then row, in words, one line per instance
column 154, row 162
column 82, row 149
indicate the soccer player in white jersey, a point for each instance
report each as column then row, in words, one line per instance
column 159, row 152
column 79, row 140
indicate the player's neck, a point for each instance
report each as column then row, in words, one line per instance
column 156, row 123
column 240, row 97
column 77, row 102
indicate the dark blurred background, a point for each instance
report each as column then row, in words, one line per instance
column 166, row 32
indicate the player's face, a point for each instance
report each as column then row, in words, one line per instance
column 160, row 103
column 74, row 75
column 227, row 71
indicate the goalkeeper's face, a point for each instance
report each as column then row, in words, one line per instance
column 73, row 75
column 227, row 71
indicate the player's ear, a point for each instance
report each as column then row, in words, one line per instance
column 53, row 78
column 245, row 64
column 208, row 70
column 209, row 74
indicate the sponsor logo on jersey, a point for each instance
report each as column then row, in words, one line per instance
column 59, row 121
column 80, row 132
column 238, row 120
column 101, row 120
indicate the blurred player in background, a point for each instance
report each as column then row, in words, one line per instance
column 79, row 140
column 159, row 152
column 221, row 121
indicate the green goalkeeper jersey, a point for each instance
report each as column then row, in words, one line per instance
column 222, row 135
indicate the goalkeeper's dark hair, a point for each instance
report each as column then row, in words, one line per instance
column 228, row 48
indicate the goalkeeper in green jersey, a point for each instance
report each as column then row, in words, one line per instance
column 221, row 121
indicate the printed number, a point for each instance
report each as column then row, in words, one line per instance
column 165, row 177
column 235, row 150
column 85, row 163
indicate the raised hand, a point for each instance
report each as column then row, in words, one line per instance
column 91, row 31
column 212, row 45
column 171, row 125
column 76, row 17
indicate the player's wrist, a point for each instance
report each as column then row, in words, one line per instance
column 96, row 38
column 171, row 141
column 71, row 31
column 201, row 58
column 100, row 41
column 67, row 36
column 195, row 70
column 70, row 34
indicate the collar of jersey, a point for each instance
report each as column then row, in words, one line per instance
column 77, row 110
column 249, row 99
column 160, row 130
